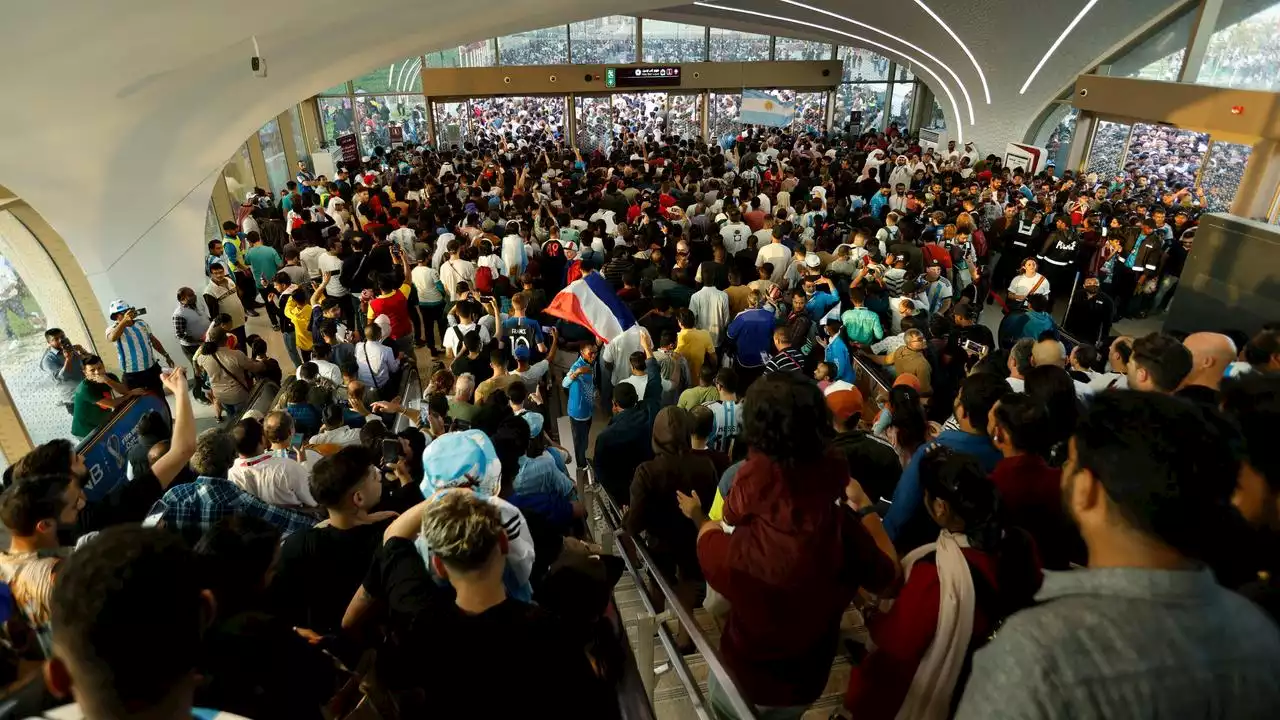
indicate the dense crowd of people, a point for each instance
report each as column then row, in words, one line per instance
column 1047, row 520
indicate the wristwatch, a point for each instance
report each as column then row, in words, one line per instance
column 865, row 511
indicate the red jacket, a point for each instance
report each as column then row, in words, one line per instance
column 1031, row 497
column 789, row 571
column 878, row 685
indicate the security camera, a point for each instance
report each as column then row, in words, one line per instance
column 697, row 75
column 258, row 65
column 552, row 78
column 507, row 79
column 1084, row 92
column 826, row 73
column 586, row 78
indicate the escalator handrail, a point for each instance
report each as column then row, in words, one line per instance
column 741, row 706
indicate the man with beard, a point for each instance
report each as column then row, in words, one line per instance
column 129, row 501
column 1253, row 400
column 1148, row 480
column 1089, row 315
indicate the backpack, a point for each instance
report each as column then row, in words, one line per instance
column 979, row 240
column 484, row 280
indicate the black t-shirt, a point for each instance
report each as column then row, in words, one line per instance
column 546, row 674
column 655, row 323
column 319, row 572
column 478, row 367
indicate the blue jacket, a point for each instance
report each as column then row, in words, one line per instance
column 1037, row 323
column 752, row 331
column 838, row 353
column 908, row 523
column 582, row 391
column 818, row 305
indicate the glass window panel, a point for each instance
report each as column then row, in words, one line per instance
column 402, row 77
column 548, row 46
column 340, row 89
column 238, row 175
column 867, row 98
column 1245, row 54
column 470, row 55
column 644, row 114
column 595, row 122
column 25, row 268
column 212, row 228
column 670, row 42
column 811, row 110
column 299, row 139
column 336, row 118
column 453, row 123
column 937, row 119
column 1159, row 151
column 793, row 49
column 1159, row 57
column 1107, row 150
column 735, row 46
column 723, row 124
column 684, row 115
column 905, row 74
column 860, row 64
column 605, row 40
column 378, row 113
column 900, row 107
column 518, row 117
column 273, row 153
column 1056, row 133
column 1222, row 175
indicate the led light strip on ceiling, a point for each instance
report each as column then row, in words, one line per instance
column 950, row 96
column 1056, row 43
column 963, row 90
column 986, row 91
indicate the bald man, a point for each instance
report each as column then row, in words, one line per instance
column 1211, row 354
column 1053, row 352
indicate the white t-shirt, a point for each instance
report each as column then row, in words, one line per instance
column 1022, row 285
column 617, row 352
column 274, row 480
column 454, row 335
column 641, row 382
column 442, row 249
column 328, row 371
column 333, row 265
column 534, row 374
column 779, row 255
column 425, row 279
column 735, row 236
column 453, row 271
column 309, row 258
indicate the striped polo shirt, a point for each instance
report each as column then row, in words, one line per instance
column 134, row 348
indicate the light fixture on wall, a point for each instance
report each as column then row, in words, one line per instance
column 960, row 83
column 955, row 106
column 986, row 91
column 1080, row 16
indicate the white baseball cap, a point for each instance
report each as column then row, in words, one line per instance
column 117, row 306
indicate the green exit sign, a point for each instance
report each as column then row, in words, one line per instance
column 611, row 77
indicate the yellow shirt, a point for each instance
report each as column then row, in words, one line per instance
column 300, row 316
column 694, row 344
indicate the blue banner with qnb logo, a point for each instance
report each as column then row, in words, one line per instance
column 106, row 452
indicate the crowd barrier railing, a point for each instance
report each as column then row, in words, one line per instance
column 651, row 621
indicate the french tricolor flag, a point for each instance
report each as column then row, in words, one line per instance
column 592, row 303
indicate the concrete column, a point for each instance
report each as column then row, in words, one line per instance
column 1080, row 142
column 286, row 136
column 921, row 107
column 258, row 162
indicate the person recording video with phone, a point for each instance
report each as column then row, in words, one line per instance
column 63, row 362
column 136, row 347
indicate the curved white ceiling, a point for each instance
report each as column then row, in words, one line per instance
column 118, row 114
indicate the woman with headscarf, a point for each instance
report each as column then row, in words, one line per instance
column 654, row 513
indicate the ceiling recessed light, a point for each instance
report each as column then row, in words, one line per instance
column 978, row 68
column 963, row 90
column 1084, row 11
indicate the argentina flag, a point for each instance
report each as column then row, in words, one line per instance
column 761, row 108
